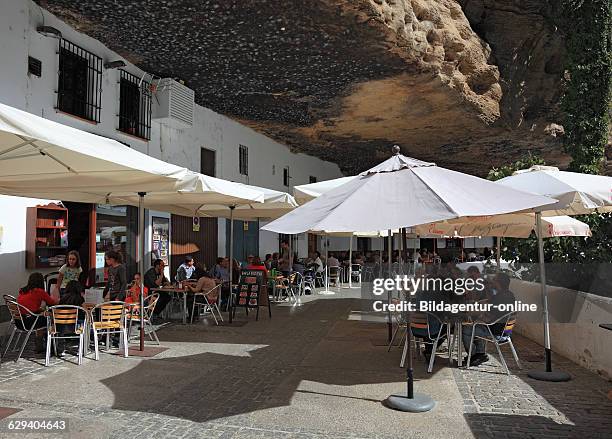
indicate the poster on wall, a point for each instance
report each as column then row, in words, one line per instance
column 161, row 238
column 196, row 224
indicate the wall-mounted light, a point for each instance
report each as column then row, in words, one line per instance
column 114, row 64
column 49, row 31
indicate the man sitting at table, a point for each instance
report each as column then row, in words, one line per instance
column 186, row 269
column 154, row 278
column 498, row 293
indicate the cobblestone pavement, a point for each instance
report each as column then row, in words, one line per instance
column 308, row 373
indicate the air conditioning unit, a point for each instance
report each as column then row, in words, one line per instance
column 173, row 104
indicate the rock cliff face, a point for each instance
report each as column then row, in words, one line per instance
column 469, row 84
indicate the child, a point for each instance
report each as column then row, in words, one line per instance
column 71, row 270
column 133, row 295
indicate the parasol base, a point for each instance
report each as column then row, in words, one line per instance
column 419, row 404
column 556, row 376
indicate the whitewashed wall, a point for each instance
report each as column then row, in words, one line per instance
column 581, row 340
column 19, row 38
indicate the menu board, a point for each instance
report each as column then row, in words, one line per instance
column 249, row 287
column 161, row 238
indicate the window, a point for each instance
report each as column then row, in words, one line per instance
column 79, row 87
column 243, row 160
column 207, row 162
column 286, row 176
column 312, row 179
column 34, row 66
column 134, row 105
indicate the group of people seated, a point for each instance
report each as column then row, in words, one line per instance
column 495, row 291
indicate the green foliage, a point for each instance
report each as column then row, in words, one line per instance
column 587, row 25
column 505, row 171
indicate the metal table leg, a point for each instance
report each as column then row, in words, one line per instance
column 185, row 307
column 459, row 335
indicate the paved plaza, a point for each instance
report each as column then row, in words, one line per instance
column 311, row 372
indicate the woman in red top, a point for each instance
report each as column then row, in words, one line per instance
column 31, row 296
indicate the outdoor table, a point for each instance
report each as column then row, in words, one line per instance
column 176, row 290
column 607, row 326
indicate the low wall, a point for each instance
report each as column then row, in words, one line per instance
column 574, row 328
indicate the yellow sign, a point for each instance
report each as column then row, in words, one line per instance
column 196, row 224
column 245, row 226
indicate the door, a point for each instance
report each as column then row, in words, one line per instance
column 246, row 239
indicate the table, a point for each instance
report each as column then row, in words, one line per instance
column 175, row 290
column 607, row 326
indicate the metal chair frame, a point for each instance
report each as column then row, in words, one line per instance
column 17, row 311
column 109, row 316
column 504, row 338
column 207, row 306
column 65, row 315
column 132, row 316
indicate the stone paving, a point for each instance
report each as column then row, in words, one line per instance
column 310, row 372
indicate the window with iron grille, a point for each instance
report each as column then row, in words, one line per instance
column 312, row 179
column 134, row 105
column 243, row 160
column 286, row 176
column 79, row 90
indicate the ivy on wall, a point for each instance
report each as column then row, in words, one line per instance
column 587, row 25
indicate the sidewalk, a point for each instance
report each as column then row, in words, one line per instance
column 310, row 372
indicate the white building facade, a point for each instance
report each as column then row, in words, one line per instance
column 64, row 78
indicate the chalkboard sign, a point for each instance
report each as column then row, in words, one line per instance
column 252, row 291
column 249, row 287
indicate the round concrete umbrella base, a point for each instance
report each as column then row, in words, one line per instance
column 556, row 376
column 420, row 403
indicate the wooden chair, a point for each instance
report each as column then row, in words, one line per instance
column 109, row 318
column 19, row 314
column 71, row 327
column 133, row 316
column 210, row 303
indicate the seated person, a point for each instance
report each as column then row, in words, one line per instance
column 220, row 270
column 133, row 294
column 297, row 265
column 154, row 278
column 256, row 264
column 72, row 295
column 204, row 285
column 185, row 270
column 498, row 293
column 318, row 262
column 32, row 296
column 268, row 261
column 248, row 262
column 332, row 261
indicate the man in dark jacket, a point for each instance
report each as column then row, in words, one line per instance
column 154, row 278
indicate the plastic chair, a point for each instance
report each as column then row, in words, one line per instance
column 499, row 340
column 109, row 318
column 50, row 280
column 334, row 275
column 19, row 314
column 356, row 271
column 133, row 315
column 210, row 303
column 68, row 317
column 296, row 284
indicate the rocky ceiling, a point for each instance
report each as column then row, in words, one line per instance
column 469, row 84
